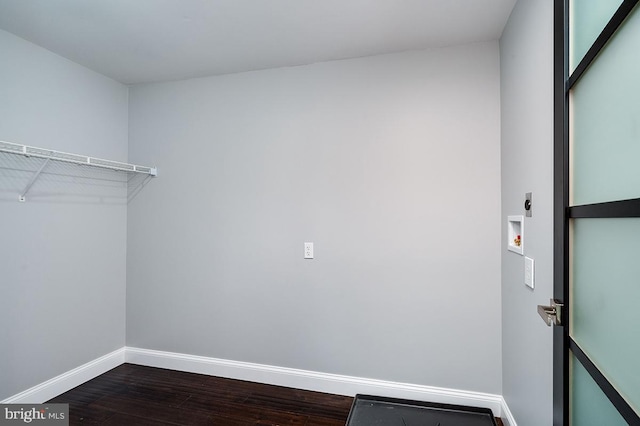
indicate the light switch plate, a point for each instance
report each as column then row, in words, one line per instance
column 528, row 272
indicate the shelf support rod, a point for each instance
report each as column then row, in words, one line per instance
column 22, row 197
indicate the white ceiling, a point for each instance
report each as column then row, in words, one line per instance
column 135, row 41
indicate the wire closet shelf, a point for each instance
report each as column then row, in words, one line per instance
column 22, row 163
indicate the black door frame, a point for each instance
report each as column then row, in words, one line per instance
column 563, row 344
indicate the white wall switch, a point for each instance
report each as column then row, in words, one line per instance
column 308, row 250
column 528, row 272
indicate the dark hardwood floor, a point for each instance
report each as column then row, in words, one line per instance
column 132, row 395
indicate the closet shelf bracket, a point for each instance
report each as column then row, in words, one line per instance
column 23, row 197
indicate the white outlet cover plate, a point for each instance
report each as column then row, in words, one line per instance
column 528, row 272
column 308, row 250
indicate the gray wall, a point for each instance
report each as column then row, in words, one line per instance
column 389, row 164
column 526, row 51
column 62, row 260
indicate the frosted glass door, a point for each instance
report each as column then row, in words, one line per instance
column 605, row 319
column 588, row 18
column 589, row 405
column 605, row 126
column 603, row 213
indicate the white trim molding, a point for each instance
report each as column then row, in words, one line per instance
column 69, row 380
column 311, row 380
column 260, row 373
column 507, row 416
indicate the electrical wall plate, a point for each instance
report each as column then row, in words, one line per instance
column 308, row 250
column 527, row 204
column 529, row 272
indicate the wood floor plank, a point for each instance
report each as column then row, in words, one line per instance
column 323, row 421
column 240, row 411
column 148, row 409
column 303, row 403
column 123, row 419
column 89, row 416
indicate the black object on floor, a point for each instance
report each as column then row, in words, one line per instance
column 370, row 410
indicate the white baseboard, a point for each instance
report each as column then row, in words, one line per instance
column 507, row 416
column 281, row 376
column 69, row 380
column 311, row 380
